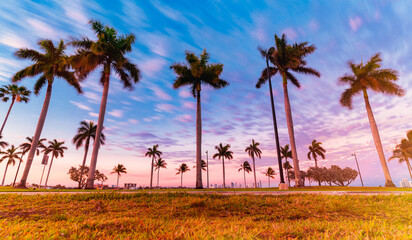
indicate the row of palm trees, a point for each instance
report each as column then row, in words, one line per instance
column 109, row 50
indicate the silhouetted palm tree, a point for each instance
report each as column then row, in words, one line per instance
column 119, row 169
column 160, row 163
column 56, row 149
column 403, row 151
column 195, row 73
column 108, row 52
column 245, row 166
column 51, row 64
column 10, row 155
column 85, row 132
column 253, row 150
column 270, row 173
column 153, row 153
column 222, row 153
column 287, row 167
column 25, row 147
column 203, row 166
column 16, row 93
column 286, row 58
column 180, row 170
column 316, row 150
column 371, row 76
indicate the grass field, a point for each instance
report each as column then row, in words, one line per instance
column 205, row 216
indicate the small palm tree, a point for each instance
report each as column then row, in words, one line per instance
column 403, row 151
column 245, row 166
column 195, row 73
column 180, row 170
column 10, row 155
column 51, row 64
column 153, row 153
column 160, row 163
column 119, row 169
column 316, row 150
column 25, row 147
column 56, row 149
column 287, row 167
column 16, row 93
column 270, row 173
column 85, row 132
column 253, row 150
column 371, row 76
column 222, row 153
column 286, row 59
column 203, row 166
column 107, row 52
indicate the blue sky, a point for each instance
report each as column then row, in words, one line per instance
column 231, row 31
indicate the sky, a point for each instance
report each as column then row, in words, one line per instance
column 231, row 31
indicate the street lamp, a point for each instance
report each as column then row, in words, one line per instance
column 356, row 160
column 207, row 165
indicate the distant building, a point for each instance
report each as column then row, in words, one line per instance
column 130, row 186
column 405, row 183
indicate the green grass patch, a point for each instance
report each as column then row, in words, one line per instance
column 204, row 216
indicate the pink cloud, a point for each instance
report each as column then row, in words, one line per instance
column 161, row 94
column 165, row 107
column 185, row 118
column 355, row 23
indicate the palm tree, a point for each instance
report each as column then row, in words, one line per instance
column 371, row 76
column 3, row 144
column 286, row 153
column 25, row 147
column 51, row 64
column 222, row 153
column 160, row 163
column 11, row 155
column 286, row 58
column 203, row 165
column 316, row 150
column 403, row 151
column 180, row 170
column 287, row 167
column 195, row 73
column 119, row 169
column 56, row 149
column 85, row 132
column 270, row 173
column 253, row 150
column 153, row 153
column 16, row 93
column 245, row 166
column 107, row 52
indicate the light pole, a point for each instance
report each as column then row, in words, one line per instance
column 207, row 163
column 356, row 160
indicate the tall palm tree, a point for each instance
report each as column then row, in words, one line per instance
column 56, row 149
column 245, row 166
column 160, row 163
column 16, row 93
column 10, row 155
column 403, row 151
column 53, row 63
column 222, row 153
column 371, row 76
column 287, row 167
column 85, row 132
column 153, row 153
column 108, row 52
column 316, row 150
column 270, row 173
column 286, row 59
column 119, row 169
column 180, row 170
column 195, row 73
column 253, row 150
column 25, row 147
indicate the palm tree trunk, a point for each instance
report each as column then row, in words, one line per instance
column 409, row 167
column 100, row 121
column 269, row 181
column 254, row 169
column 118, row 181
column 158, row 173
column 289, row 120
column 151, row 172
column 48, row 173
column 7, row 116
column 4, row 177
column 224, row 175
column 244, row 176
column 316, row 163
column 41, row 178
column 199, row 184
column 86, row 150
column 181, row 180
column 36, row 136
column 377, row 140
column 18, row 168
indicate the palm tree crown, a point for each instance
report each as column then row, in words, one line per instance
column 285, row 152
column 316, row 150
column 85, row 132
column 15, row 92
column 403, row 151
column 10, row 155
column 25, row 147
column 119, row 169
column 56, row 148
column 160, row 163
column 182, row 168
column 245, row 166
